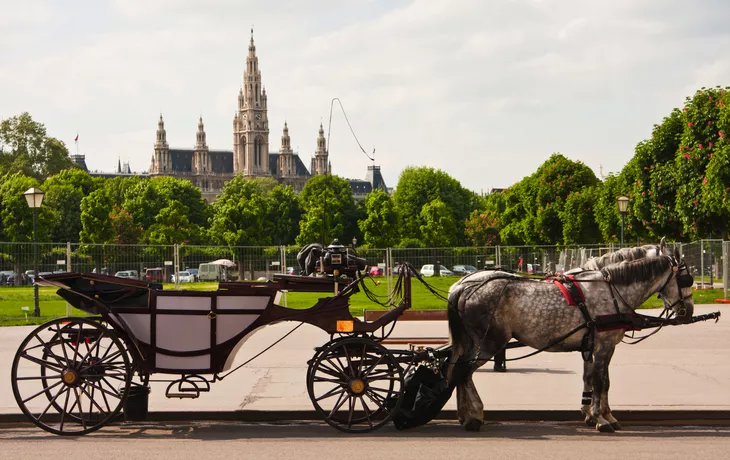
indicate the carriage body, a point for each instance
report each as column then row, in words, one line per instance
column 138, row 330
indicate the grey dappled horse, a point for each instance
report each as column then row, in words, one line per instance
column 487, row 309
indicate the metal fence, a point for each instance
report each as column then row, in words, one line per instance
column 706, row 259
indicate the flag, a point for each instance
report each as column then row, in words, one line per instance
column 76, row 139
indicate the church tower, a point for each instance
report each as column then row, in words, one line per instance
column 161, row 160
column 250, row 124
column 320, row 163
column 200, row 155
column 287, row 165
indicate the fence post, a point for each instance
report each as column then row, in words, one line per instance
column 389, row 270
column 725, row 265
column 176, row 267
column 68, row 269
column 702, row 262
column 499, row 256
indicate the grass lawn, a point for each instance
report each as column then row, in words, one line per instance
column 52, row 306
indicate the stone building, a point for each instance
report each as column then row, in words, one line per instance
column 251, row 156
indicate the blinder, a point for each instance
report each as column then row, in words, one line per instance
column 685, row 281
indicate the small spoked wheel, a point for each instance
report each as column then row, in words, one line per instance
column 70, row 376
column 355, row 384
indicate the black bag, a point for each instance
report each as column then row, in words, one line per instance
column 425, row 393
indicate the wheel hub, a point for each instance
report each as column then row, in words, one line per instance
column 357, row 386
column 70, row 377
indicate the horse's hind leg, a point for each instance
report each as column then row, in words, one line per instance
column 587, row 393
column 470, row 406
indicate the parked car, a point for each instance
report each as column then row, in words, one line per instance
column 5, row 276
column 291, row 271
column 154, row 274
column 462, row 270
column 376, row 271
column 185, row 277
column 212, row 272
column 129, row 274
column 427, row 270
column 194, row 272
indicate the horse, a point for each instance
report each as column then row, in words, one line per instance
column 487, row 309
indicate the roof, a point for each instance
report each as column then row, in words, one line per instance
column 376, row 178
column 274, row 165
column 221, row 160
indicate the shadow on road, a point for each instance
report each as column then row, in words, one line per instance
column 212, row 431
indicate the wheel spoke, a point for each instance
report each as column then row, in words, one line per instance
column 78, row 342
column 117, row 395
column 340, row 402
column 92, row 401
column 60, row 338
column 329, row 371
column 50, row 403
column 40, row 377
column 349, row 361
column 40, row 362
column 63, row 412
column 364, row 355
column 367, row 411
column 352, row 410
column 49, row 352
column 41, row 392
column 81, row 409
column 371, row 368
column 334, row 391
column 322, row 379
column 377, row 400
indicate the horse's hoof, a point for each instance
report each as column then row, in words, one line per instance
column 590, row 421
column 605, row 428
column 616, row 426
column 500, row 369
column 473, row 425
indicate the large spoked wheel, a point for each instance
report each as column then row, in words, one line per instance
column 355, row 384
column 71, row 376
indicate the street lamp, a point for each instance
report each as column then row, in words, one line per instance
column 354, row 242
column 623, row 208
column 34, row 197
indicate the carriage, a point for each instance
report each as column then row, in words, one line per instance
column 72, row 376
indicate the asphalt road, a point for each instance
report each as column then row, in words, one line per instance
column 442, row 441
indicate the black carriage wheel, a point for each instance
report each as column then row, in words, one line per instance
column 82, row 370
column 355, row 384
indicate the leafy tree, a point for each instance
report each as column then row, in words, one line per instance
column 534, row 205
column 418, row 186
column 64, row 192
column 17, row 216
column 380, row 225
column 172, row 226
column 439, row 228
column 284, row 214
column 482, row 228
column 577, row 216
column 96, row 226
column 240, row 214
column 145, row 200
column 25, row 147
column 327, row 206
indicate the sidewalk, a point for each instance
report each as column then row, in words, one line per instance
column 680, row 368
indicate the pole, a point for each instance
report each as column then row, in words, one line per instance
column 622, row 229
column 36, row 304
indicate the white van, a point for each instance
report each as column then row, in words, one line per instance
column 211, row 272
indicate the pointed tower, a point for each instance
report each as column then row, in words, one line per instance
column 201, row 158
column 161, row 159
column 320, row 162
column 251, row 124
column 287, row 164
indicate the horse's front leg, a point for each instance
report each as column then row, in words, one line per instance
column 601, row 412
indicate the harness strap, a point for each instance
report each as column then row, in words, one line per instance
column 573, row 294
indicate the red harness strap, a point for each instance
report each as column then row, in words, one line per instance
column 566, row 292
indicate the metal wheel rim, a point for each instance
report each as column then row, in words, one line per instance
column 377, row 404
column 99, row 372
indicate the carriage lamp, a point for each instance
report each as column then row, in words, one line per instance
column 34, row 197
column 623, row 208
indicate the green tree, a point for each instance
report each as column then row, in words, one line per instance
column 240, row 214
column 26, row 148
column 328, row 210
column 577, row 216
column 482, row 228
column 438, row 228
column 172, row 226
column 418, row 186
column 380, row 225
column 17, row 216
column 284, row 214
column 64, row 192
column 96, row 227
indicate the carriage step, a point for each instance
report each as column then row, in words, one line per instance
column 190, row 395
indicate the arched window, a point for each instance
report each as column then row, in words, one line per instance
column 243, row 150
column 257, row 151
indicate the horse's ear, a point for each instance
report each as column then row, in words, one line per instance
column 677, row 255
column 663, row 246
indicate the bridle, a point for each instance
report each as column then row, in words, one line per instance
column 683, row 280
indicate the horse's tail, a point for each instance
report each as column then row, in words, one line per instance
column 456, row 334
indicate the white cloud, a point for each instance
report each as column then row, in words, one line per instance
column 485, row 90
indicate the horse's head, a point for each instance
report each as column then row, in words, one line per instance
column 676, row 292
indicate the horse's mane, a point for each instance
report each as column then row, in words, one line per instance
column 629, row 272
column 621, row 255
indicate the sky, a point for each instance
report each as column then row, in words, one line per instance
column 485, row 90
